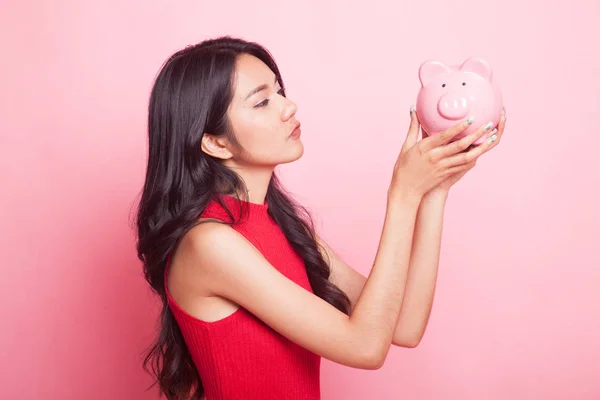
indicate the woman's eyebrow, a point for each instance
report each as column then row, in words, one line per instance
column 258, row 89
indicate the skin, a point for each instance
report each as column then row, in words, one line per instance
column 424, row 262
column 262, row 126
column 389, row 307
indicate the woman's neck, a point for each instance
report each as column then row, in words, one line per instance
column 257, row 182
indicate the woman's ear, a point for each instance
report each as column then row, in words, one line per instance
column 215, row 146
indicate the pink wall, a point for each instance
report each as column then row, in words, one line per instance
column 517, row 312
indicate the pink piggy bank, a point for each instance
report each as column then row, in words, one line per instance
column 450, row 94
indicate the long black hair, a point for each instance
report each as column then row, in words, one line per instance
column 190, row 96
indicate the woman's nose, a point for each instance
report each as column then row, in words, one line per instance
column 289, row 109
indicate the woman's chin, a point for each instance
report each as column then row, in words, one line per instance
column 295, row 153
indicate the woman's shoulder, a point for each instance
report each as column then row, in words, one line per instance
column 201, row 253
column 209, row 237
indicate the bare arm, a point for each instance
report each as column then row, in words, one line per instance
column 237, row 271
column 422, row 274
column 420, row 289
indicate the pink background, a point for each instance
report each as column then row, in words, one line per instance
column 517, row 310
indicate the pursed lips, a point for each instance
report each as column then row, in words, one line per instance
column 296, row 126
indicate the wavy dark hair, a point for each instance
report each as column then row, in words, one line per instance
column 190, row 96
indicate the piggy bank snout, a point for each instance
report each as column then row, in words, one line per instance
column 453, row 106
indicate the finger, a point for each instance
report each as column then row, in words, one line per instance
column 457, row 169
column 413, row 130
column 444, row 137
column 459, row 145
column 471, row 155
column 501, row 124
column 491, row 142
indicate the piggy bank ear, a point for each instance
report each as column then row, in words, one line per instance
column 478, row 66
column 430, row 69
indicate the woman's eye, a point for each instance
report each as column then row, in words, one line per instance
column 265, row 102
column 262, row 103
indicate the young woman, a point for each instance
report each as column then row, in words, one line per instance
column 251, row 297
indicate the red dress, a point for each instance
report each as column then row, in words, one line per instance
column 240, row 357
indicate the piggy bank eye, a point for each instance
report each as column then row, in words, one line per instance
column 464, row 83
column 443, row 85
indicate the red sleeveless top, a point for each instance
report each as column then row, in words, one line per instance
column 240, row 357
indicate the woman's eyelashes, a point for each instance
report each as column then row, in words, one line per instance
column 266, row 101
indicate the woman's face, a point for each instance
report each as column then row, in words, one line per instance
column 263, row 121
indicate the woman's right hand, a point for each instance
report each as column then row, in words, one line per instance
column 424, row 164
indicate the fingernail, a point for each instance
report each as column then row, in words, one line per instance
column 488, row 126
column 492, row 139
column 412, row 108
column 470, row 120
column 493, row 132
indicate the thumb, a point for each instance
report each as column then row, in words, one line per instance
column 413, row 129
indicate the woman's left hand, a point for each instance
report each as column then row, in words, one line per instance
column 478, row 150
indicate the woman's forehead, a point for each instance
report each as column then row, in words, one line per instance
column 250, row 72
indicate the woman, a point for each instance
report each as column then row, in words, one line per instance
column 251, row 297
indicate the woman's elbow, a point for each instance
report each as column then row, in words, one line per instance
column 374, row 357
column 411, row 344
column 408, row 341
